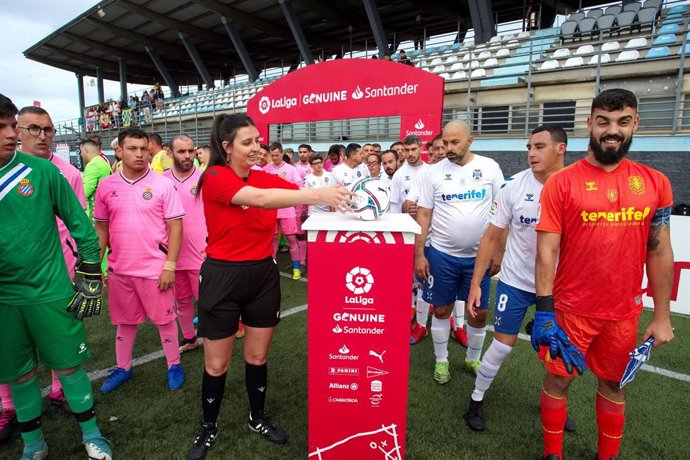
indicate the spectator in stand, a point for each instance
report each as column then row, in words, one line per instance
column 146, row 107
column 403, row 59
column 161, row 159
column 95, row 169
column 91, row 119
column 133, row 105
column 386, row 56
column 419, row 32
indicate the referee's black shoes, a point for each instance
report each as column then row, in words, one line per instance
column 203, row 441
column 267, row 429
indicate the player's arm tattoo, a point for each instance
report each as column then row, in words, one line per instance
column 660, row 222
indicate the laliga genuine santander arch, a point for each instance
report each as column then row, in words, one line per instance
column 353, row 88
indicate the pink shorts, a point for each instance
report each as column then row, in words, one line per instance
column 186, row 284
column 302, row 214
column 287, row 226
column 132, row 299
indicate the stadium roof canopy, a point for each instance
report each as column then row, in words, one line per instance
column 191, row 39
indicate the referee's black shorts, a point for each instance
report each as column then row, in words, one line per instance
column 230, row 290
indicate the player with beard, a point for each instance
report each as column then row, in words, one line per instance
column 186, row 177
column 603, row 219
column 455, row 198
column 389, row 163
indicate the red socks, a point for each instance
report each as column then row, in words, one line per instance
column 610, row 418
column 553, row 415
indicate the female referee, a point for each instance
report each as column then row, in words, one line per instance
column 239, row 277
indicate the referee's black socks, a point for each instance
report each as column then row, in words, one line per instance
column 256, row 378
column 212, row 390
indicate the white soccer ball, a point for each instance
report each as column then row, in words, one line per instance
column 371, row 200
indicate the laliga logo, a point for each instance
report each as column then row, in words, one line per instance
column 359, row 280
column 264, row 105
column 357, row 94
column 419, row 124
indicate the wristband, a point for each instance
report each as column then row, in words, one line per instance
column 169, row 266
column 544, row 303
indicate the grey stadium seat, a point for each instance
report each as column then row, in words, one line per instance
column 605, row 23
column 595, row 13
column 568, row 29
column 587, row 26
column 647, row 16
column 577, row 16
column 625, row 20
column 653, row 4
column 632, row 6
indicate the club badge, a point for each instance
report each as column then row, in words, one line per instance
column 147, row 195
column 25, row 188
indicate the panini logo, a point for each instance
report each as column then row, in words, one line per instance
column 630, row 215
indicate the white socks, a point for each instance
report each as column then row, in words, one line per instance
column 422, row 309
column 475, row 341
column 459, row 314
column 440, row 331
column 491, row 363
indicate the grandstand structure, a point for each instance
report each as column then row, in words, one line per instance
column 505, row 78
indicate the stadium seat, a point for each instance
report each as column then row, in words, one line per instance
column 484, row 55
column 478, row 73
column 561, row 53
column 678, row 9
column 508, row 37
column 444, row 75
column 658, row 52
column 595, row 12
column 436, row 61
column 577, row 16
column 669, row 29
column 653, row 4
column 574, row 62
column 687, row 49
column 439, row 69
column 502, row 53
column 613, row 9
column 638, row 42
column 457, row 66
column 604, row 59
column 675, row 19
column 473, row 65
column 568, row 29
column 456, row 46
column 468, row 57
column 444, row 49
column 549, row 65
column 610, row 46
column 451, row 59
column 606, row 22
column 647, row 16
column 512, row 43
column 586, row 26
column 523, row 35
column 584, row 50
column 625, row 20
column 491, row 62
column 459, row 75
column 495, row 39
column 632, row 6
column 628, row 55
column 666, row 39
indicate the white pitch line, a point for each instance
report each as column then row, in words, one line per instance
column 653, row 369
column 99, row 374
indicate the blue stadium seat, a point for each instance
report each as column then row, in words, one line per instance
column 658, row 52
column 666, row 39
column 678, row 9
column 669, row 29
column 675, row 19
column 687, row 49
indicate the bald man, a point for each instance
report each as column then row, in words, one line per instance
column 95, row 170
column 455, row 196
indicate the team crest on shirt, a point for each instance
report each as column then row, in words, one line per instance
column 194, row 190
column 359, row 173
column 477, row 175
column 147, row 195
column 636, row 185
column 612, row 195
column 25, row 188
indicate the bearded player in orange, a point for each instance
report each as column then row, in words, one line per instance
column 609, row 217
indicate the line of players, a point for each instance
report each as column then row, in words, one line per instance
column 460, row 200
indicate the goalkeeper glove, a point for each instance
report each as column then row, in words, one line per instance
column 87, row 300
column 546, row 332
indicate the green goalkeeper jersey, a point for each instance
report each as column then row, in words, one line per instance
column 32, row 268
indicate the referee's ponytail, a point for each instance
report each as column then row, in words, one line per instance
column 224, row 129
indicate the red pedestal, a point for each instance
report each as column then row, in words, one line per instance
column 359, row 295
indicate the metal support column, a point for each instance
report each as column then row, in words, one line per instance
column 80, row 95
column 169, row 82
column 296, row 29
column 123, row 79
column 99, row 85
column 376, row 26
column 196, row 59
column 482, row 20
column 237, row 42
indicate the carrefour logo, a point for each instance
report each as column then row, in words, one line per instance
column 359, row 280
column 471, row 195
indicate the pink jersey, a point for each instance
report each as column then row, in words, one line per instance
column 73, row 176
column 289, row 173
column 303, row 170
column 137, row 213
column 192, row 252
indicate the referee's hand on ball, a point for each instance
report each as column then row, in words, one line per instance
column 338, row 197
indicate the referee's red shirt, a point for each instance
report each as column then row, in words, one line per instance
column 238, row 233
